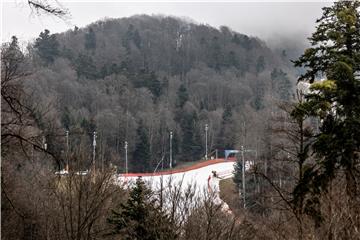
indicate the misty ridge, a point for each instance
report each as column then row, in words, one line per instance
column 158, row 127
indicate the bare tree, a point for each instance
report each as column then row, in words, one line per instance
column 290, row 153
column 83, row 202
column 53, row 8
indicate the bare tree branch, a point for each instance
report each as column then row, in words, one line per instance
column 42, row 6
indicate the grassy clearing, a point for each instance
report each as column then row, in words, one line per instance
column 229, row 195
column 182, row 164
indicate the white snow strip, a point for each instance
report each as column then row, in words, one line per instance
column 202, row 177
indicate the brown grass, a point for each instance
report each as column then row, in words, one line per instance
column 229, row 195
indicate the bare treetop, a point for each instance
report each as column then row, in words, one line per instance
column 48, row 7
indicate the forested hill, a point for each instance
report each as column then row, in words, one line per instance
column 135, row 79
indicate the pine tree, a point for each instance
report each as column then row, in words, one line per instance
column 66, row 118
column 89, row 127
column 90, row 40
column 153, row 84
column 226, row 135
column 238, row 175
column 281, row 84
column 252, row 196
column 141, row 162
column 141, row 217
column 47, row 46
column 182, row 96
column 150, row 81
column 12, row 52
column 336, row 39
column 231, row 60
column 190, row 141
column 258, row 96
column 85, row 66
column 132, row 35
column 216, row 54
column 335, row 52
column 260, row 64
column 137, row 39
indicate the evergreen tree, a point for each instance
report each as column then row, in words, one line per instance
column 281, row 84
column 335, row 52
column 182, row 96
column 90, row 40
column 242, row 40
column 238, row 175
column 12, row 52
column 84, row 66
column 47, row 46
column 251, row 192
column 216, row 54
column 232, row 60
column 127, row 38
column 150, row 81
column 153, row 84
column 260, row 64
column 132, row 36
column 66, row 118
column 89, row 126
column 137, row 39
column 253, row 197
column 258, row 96
column 191, row 142
column 14, row 46
column 226, row 135
column 336, row 39
column 227, row 114
column 236, row 39
column 246, row 42
column 142, row 154
column 141, row 217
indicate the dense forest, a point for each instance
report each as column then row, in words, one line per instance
column 136, row 79
column 71, row 100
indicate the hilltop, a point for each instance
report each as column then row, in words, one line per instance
column 135, row 79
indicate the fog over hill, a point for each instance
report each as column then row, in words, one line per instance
column 266, row 20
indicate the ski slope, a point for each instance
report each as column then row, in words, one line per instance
column 201, row 175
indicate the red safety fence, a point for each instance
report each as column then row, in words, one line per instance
column 181, row 170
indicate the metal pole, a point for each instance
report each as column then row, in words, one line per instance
column 206, row 147
column 67, row 149
column 126, row 157
column 243, row 175
column 244, row 135
column 171, row 136
column 94, row 149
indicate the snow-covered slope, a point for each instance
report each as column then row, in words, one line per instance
column 199, row 176
column 203, row 177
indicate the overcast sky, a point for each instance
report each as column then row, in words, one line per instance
column 266, row 20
